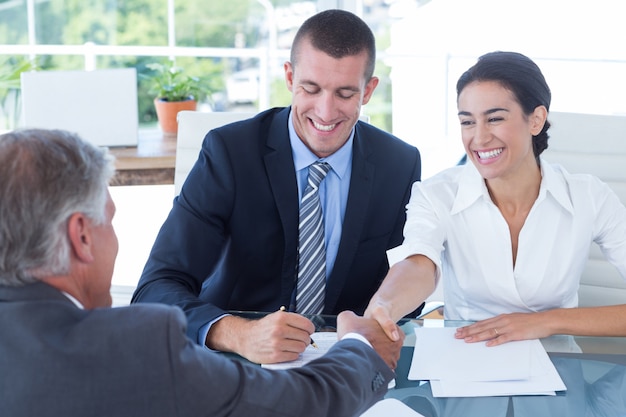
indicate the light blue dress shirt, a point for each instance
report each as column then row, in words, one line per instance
column 333, row 196
column 333, row 190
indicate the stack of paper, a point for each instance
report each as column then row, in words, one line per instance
column 390, row 407
column 459, row 369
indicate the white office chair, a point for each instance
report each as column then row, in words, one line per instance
column 593, row 144
column 192, row 128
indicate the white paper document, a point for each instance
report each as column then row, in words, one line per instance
column 390, row 407
column 324, row 341
column 459, row 369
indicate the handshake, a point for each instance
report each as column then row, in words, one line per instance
column 389, row 350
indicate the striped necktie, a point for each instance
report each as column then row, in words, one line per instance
column 311, row 286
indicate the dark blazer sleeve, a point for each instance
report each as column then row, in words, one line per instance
column 345, row 382
column 224, row 243
column 384, row 169
column 191, row 240
column 60, row 360
column 230, row 240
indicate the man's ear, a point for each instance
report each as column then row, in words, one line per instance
column 288, row 67
column 79, row 233
column 369, row 89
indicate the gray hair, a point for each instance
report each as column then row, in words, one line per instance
column 45, row 177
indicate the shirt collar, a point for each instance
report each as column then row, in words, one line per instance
column 303, row 157
column 74, row 300
column 472, row 187
column 552, row 182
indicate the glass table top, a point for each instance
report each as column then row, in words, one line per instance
column 595, row 379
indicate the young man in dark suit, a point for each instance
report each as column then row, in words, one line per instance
column 231, row 241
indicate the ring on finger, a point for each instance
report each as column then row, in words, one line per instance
column 496, row 332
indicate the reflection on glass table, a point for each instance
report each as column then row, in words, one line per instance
column 595, row 379
column 594, row 388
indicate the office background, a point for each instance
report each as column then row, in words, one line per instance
column 240, row 45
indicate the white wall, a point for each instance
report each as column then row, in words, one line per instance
column 140, row 212
column 578, row 44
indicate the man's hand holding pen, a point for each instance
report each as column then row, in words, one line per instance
column 282, row 336
column 278, row 337
column 282, row 308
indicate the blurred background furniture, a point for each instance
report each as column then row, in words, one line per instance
column 593, row 144
column 99, row 105
column 150, row 162
column 192, row 128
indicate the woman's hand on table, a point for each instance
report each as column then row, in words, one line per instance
column 505, row 328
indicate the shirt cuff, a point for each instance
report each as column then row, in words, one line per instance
column 204, row 331
column 356, row 336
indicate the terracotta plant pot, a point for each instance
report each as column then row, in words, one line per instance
column 167, row 112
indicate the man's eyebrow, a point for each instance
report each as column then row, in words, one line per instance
column 308, row 82
column 350, row 88
column 346, row 87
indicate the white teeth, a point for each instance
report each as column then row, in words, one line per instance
column 325, row 128
column 490, row 154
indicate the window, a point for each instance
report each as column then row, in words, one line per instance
column 423, row 46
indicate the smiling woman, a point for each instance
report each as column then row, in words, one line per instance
column 509, row 233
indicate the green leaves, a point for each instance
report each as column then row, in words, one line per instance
column 170, row 83
column 10, row 71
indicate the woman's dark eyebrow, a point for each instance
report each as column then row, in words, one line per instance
column 495, row 110
column 490, row 111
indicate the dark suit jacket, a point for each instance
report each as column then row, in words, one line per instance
column 231, row 239
column 58, row 360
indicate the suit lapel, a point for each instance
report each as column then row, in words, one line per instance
column 282, row 178
column 359, row 196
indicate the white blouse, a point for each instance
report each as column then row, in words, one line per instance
column 452, row 220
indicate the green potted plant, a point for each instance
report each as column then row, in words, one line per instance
column 174, row 91
column 10, row 101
